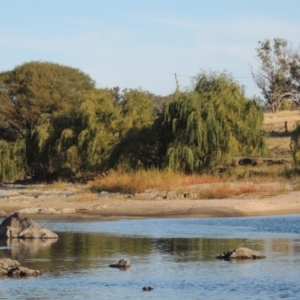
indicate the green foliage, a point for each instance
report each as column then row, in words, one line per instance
column 136, row 110
column 75, row 141
column 295, row 146
column 139, row 149
column 12, row 162
column 211, row 125
column 35, row 88
column 139, row 142
column 286, row 104
column 53, row 122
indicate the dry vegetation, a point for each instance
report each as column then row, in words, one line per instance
column 135, row 182
column 277, row 120
column 278, row 146
column 278, row 143
column 208, row 186
column 240, row 190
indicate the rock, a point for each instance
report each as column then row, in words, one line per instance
column 147, row 288
column 12, row 268
column 188, row 195
column 30, row 210
column 247, row 161
column 47, row 211
column 171, row 195
column 241, row 253
column 17, row 227
column 122, row 264
column 97, row 206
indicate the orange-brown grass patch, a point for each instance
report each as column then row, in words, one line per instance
column 83, row 197
column 226, row 191
column 135, row 182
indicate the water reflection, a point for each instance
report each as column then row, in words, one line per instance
column 27, row 248
column 177, row 260
column 21, row 249
column 78, row 251
column 195, row 249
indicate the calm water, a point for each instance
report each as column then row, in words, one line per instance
column 174, row 256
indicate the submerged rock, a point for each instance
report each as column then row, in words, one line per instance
column 12, row 268
column 147, row 288
column 241, row 253
column 15, row 226
column 122, row 264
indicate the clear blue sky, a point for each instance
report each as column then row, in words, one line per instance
column 143, row 43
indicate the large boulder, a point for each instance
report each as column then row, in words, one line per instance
column 15, row 226
column 241, row 253
column 12, row 268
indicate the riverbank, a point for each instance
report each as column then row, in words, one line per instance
column 76, row 202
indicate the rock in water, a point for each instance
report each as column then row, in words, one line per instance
column 12, row 268
column 122, row 264
column 241, row 253
column 147, row 288
column 17, row 227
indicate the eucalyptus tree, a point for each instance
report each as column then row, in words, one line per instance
column 35, row 88
column 211, row 125
column 278, row 74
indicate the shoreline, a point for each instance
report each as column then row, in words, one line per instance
column 88, row 207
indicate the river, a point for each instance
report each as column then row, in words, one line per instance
column 174, row 256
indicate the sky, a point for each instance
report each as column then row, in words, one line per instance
column 143, row 43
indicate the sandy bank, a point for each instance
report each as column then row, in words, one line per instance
column 57, row 204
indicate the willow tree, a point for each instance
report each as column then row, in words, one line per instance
column 211, row 125
column 12, row 162
column 76, row 141
column 35, row 88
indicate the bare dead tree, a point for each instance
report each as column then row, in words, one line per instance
column 278, row 76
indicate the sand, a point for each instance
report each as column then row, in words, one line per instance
column 77, row 203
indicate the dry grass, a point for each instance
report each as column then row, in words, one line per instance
column 263, row 173
column 135, row 182
column 226, row 191
column 85, row 196
column 277, row 119
column 279, row 146
column 221, row 187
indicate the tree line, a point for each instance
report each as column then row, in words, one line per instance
column 54, row 123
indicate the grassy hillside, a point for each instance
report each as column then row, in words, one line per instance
column 279, row 126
